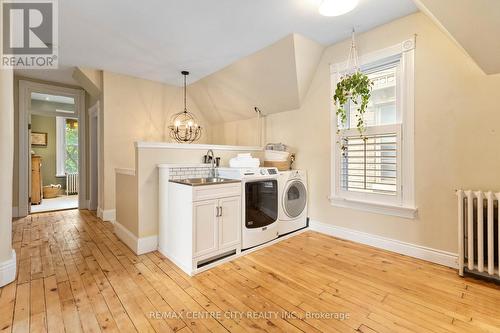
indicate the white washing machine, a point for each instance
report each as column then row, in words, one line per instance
column 292, row 191
column 260, row 203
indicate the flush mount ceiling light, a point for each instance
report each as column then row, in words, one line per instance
column 185, row 128
column 336, row 7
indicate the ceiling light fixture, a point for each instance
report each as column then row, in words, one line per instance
column 337, row 7
column 185, row 128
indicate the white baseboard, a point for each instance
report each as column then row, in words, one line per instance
column 8, row 270
column 147, row 244
column 412, row 250
column 15, row 212
column 138, row 245
column 107, row 215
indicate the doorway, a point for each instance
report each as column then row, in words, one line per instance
column 51, row 148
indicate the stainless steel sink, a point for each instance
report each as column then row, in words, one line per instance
column 204, row 181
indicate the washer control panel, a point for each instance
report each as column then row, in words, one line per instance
column 236, row 173
column 272, row 171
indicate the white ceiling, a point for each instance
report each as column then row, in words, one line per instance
column 156, row 39
column 52, row 98
column 64, row 74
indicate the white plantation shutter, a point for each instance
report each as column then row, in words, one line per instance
column 370, row 164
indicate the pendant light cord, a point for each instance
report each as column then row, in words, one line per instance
column 185, row 108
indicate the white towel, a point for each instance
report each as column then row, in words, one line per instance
column 244, row 162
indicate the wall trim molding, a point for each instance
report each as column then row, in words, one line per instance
column 8, row 270
column 123, row 171
column 15, row 212
column 167, row 145
column 107, row 215
column 137, row 245
column 375, row 207
column 147, row 244
column 412, row 250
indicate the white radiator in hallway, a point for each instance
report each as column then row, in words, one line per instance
column 72, row 185
column 478, row 233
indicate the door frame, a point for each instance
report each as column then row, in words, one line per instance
column 25, row 89
column 94, row 155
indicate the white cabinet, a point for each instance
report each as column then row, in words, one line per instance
column 205, row 223
column 229, row 232
column 199, row 224
column 216, row 225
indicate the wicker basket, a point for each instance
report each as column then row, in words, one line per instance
column 51, row 191
column 281, row 166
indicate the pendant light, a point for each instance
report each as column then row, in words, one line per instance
column 185, row 127
column 337, row 7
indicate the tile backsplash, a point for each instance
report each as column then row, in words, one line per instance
column 177, row 173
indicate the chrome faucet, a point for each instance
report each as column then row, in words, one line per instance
column 210, row 153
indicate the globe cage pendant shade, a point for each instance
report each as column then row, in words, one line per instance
column 184, row 126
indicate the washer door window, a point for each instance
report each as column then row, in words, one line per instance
column 294, row 199
column 261, row 203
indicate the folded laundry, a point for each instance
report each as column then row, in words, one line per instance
column 244, row 161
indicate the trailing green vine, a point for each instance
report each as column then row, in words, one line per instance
column 357, row 88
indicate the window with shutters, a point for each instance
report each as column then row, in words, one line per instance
column 374, row 171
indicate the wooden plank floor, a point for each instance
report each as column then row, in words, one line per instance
column 74, row 275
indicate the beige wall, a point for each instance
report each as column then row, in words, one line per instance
column 126, row 202
column 456, row 134
column 6, row 152
column 47, row 125
column 238, row 133
column 136, row 110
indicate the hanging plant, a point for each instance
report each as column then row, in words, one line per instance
column 355, row 88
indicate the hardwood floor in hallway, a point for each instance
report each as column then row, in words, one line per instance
column 74, row 275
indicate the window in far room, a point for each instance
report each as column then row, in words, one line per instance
column 67, row 146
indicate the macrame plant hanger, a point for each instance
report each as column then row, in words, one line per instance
column 352, row 60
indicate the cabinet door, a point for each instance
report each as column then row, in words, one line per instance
column 205, row 231
column 36, row 180
column 229, row 221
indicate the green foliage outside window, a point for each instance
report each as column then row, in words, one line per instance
column 71, row 162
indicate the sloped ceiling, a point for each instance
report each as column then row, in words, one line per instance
column 473, row 24
column 274, row 79
column 156, row 39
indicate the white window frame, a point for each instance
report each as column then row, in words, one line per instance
column 61, row 145
column 403, row 204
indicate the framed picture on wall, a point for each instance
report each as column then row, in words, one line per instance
column 38, row 139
